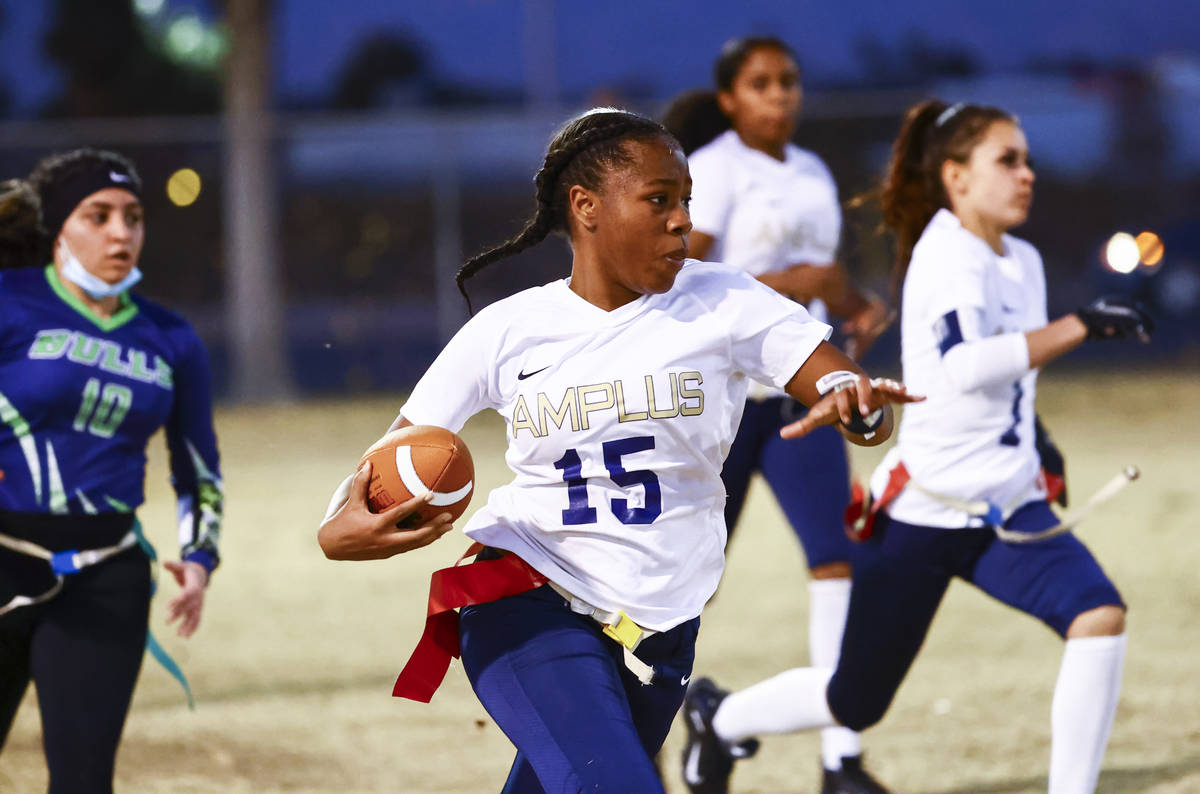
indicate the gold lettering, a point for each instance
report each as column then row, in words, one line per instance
column 521, row 419
column 622, row 414
column 586, row 407
column 655, row 412
column 686, row 393
column 568, row 407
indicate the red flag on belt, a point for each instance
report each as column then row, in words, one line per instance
column 449, row 589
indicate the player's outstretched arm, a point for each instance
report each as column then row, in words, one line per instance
column 1102, row 319
column 840, row 393
column 351, row 531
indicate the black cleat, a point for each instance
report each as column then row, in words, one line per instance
column 852, row 779
column 707, row 759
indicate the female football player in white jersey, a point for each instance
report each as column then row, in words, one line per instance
column 764, row 205
column 965, row 470
column 621, row 387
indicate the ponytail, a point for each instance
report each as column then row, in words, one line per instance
column 695, row 119
column 22, row 239
column 912, row 191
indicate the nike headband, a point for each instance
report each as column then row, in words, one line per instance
column 60, row 200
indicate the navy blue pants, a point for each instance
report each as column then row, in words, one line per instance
column 83, row 648
column 902, row 572
column 560, row 691
column 810, row 477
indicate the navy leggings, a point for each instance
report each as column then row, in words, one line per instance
column 560, row 691
column 810, row 477
column 901, row 574
column 83, row 649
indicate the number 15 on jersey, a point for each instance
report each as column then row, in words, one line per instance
column 579, row 511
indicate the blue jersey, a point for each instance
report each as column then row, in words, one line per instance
column 80, row 397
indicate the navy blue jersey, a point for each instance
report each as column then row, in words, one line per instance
column 81, row 396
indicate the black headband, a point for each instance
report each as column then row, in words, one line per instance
column 61, row 199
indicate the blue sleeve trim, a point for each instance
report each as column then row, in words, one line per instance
column 204, row 557
column 948, row 331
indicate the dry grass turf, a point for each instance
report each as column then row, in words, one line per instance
column 293, row 664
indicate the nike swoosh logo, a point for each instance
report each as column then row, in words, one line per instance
column 685, row 679
column 118, row 177
column 524, row 375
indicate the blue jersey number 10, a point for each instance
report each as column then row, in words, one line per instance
column 578, row 510
column 102, row 420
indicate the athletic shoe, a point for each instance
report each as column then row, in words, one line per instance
column 851, row 779
column 707, row 759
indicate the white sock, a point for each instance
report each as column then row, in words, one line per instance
column 828, row 602
column 792, row 701
column 1081, row 715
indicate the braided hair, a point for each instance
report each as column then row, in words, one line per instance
column 580, row 153
column 912, row 190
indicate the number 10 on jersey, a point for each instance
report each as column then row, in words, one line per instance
column 580, row 512
column 102, row 420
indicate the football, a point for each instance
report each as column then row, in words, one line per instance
column 415, row 459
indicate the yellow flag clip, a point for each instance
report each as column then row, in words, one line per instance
column 625, row 632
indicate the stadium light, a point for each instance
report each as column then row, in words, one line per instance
column 1121, row 254
column 183, row 187
column 148, row 8
column 1150, row 250
column 185, row 36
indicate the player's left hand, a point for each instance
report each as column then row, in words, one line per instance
column 864, row 326
column 857, row 399
column 189, row 603
column 1116, row 317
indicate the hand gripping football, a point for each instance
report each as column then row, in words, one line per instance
column 413, row 460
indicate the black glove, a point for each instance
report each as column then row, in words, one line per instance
column 1053, row 465
column 1116, row 318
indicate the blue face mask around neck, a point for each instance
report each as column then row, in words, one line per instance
column 92, row 284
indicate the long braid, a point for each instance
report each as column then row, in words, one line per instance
column 578, row 154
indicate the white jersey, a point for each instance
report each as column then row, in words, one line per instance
column 765, row 215
column 972, row 438
column 618, row 424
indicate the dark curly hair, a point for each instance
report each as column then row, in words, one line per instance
column 21, row 234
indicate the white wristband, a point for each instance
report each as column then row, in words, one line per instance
column 340, row 497
column 835, row 381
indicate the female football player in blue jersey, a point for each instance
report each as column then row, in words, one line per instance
column 764, row 205
column 621, row 387
column 961, row 494
column 88, row 373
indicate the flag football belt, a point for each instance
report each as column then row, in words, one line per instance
column 72, row 561
column 617, row 625
column 861, row 512
column 62, row 563
column 481, row 582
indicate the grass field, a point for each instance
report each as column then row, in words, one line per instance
column 293, row 665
